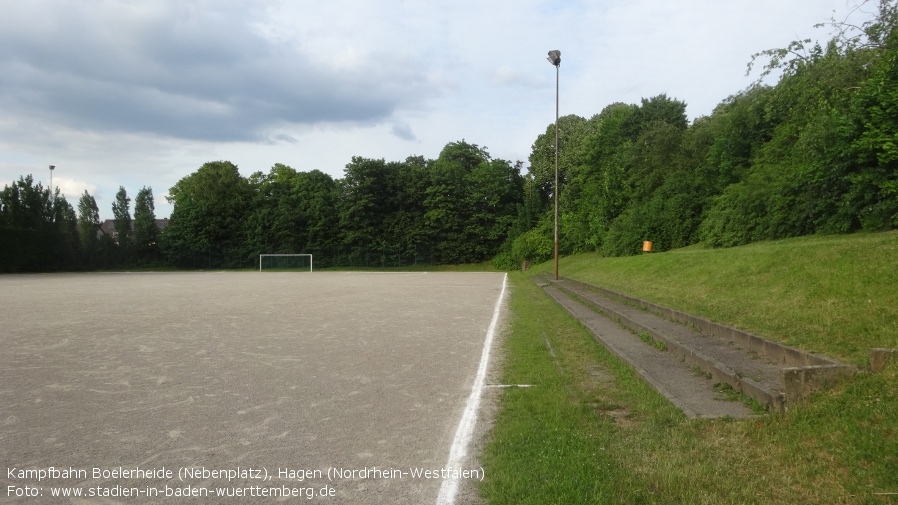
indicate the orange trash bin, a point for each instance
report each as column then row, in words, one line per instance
column 646, row 246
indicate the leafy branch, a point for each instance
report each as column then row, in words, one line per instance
column 848, row 36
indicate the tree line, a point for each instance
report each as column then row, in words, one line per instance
column 455, row 209
column 815, row 153
column 40, row 231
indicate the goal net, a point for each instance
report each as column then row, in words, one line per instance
column 285, row 262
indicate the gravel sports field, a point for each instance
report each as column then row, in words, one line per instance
column 243, row 387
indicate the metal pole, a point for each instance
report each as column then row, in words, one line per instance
column 52, row 196
column 555, row 59
column 556, row 170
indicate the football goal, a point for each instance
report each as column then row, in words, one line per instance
column 285, row 262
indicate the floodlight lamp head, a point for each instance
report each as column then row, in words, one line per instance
column 52, row 167
column 554, row 57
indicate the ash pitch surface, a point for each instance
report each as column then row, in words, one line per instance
column 298, row 371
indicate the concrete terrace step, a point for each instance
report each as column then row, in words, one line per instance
column 772, row 374
column 690, row 392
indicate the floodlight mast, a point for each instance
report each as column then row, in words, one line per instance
column 52, row 197
column 555, row 59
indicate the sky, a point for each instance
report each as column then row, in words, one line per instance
column 138, row 93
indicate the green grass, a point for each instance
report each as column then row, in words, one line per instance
column 734, row 396
column 592, row 432
column 657, row 344
column 551, row 443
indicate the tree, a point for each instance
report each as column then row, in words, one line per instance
column 26, row 205
column 121, row 218
column 405, row 231
column 494, row 197
column 471, row 203
column 293, row 212
column 663, row 109
column 364, row 202
column 818, row 161
column 598, row 192
column 572, row 130
column 27, row 241
column 88, row 226
column 271, row 224
column 145, row 229
column 317, row 196
column 447, row 206
column 874, row 185
column 207, row 226
column 66, row 221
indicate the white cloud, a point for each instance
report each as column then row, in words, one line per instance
column 195, row 70
column 72, row 189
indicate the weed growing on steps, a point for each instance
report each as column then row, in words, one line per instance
column 648, row 339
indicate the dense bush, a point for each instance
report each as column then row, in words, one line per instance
column 532, row 247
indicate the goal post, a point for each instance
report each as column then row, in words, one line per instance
column 262, row 256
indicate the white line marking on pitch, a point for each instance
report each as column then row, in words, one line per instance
column 465, row 431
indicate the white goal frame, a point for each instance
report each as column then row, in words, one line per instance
column 263, row 255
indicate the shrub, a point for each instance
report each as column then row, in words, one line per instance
column 533, row 246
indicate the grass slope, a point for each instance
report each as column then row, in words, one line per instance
column 591, row 431
column 834, row 295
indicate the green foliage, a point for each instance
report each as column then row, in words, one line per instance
column 365, row 201
column 533, row 247
column 292, row 212
column 471, row 203
column 27, row 250
column 669, row 218
column 145, row 230
column 572, row 131
column 121, row 218
column 661, row 109
column 503, row 260
column 769, row 204
column 816, row 153
column 628, row 154
column 404, row 225
column 317, row 201
column 875, row 190
column 494, row 195
column 608, row 153
column 208, row 222
column 26, row 205
column 89, row 227
column 37, row 231
column 802, row 178
column 456, row 209
column 446, row 202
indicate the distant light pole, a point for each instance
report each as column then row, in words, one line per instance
column 52, row 198
column 555, row 59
